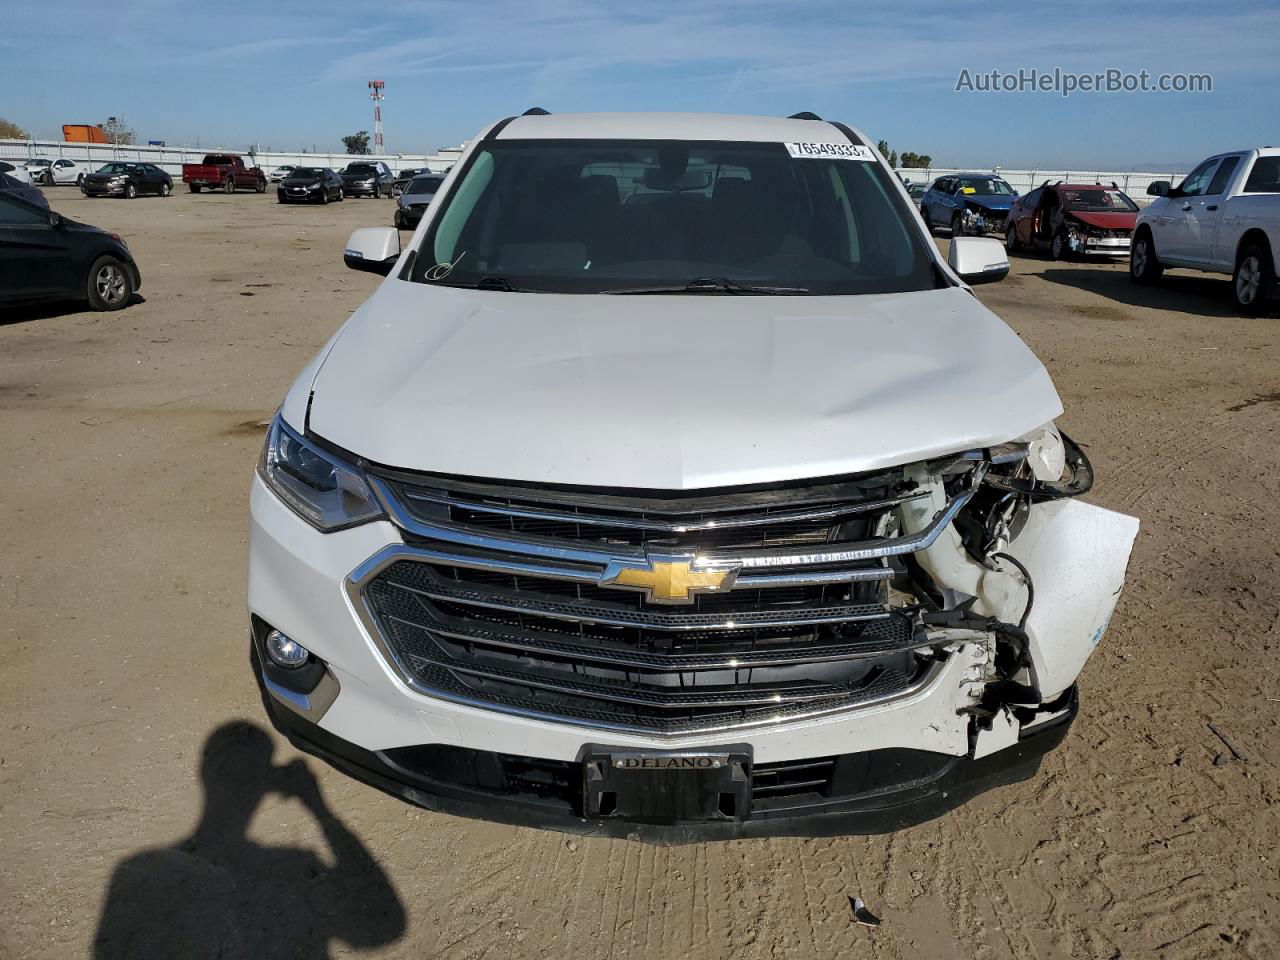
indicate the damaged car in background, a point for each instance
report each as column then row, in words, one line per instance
column 673, row 486
column 970, row 204
column 1072, row 220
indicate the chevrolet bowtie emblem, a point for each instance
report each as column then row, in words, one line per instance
column 668, row 578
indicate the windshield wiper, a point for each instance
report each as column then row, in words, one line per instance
column 484, row 283
column 715, row 285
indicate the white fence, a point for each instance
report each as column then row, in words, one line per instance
column 1024, row 181
column 171, row 159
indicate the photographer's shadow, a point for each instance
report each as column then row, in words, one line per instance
column 219, row 894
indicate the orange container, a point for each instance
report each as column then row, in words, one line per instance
column 82, row 133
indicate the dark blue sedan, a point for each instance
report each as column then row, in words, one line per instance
column 969, row 204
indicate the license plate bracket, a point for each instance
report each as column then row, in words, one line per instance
column 664, row 786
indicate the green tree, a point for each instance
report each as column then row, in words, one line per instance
column 357, row 142
column 11, row 131
column 893, row 159
column 914, row 160
column 883, row 147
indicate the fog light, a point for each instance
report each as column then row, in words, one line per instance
column 285, row 651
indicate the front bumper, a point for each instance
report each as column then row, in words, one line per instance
column 1096, row 248
column 919, row 755
column 102, row 190
column 361, row 190
column 877, row 791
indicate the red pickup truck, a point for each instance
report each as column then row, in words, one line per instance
column 223, row 171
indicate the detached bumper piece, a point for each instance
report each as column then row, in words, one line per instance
column 640, row 795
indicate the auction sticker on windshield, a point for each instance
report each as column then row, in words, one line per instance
column 829, row 151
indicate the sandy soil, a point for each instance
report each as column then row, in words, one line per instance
column 128, row 444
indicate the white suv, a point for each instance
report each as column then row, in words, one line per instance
column 672, row 485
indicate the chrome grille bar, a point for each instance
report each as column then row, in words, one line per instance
column 754, row 519
column 562, row 551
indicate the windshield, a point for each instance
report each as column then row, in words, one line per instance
column 305, row 173
column 1098, row 201
column 590, row 216
column 113, row 168
column 424, row 185
column 361, row 168
column 37, row 163
column 984, row 187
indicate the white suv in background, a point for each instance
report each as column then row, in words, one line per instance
column 672, row 485
column 1223, row 218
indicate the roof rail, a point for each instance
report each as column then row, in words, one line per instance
column 804, row 115
column 536, row 112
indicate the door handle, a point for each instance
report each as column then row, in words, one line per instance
column 1212, row 206
column 1186, row 207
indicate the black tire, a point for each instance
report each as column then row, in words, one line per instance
column 80, row 180
column 109, row 284
column 193, row 187
column 261, row 186
column 1011, row 243
column 1144, row 266
column 1253, row 279
column 957, row 225
column 377, row 191
column 229, row 185
column 341, row 196
column 166, row 188
column 1058, row 246
column 130, row 191
column 324, row 198
column 279, row 199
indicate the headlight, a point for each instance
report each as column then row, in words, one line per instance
column 325, row 491
column 314, row 186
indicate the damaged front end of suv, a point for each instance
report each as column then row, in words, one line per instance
column 1026, row 573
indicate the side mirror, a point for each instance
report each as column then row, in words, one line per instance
column 978, row 259
column 55, row 219
column 1158, row 188
column 373, row 249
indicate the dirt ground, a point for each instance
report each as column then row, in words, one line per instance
column 129, row 440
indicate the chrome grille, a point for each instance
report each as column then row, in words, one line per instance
column 496, row 599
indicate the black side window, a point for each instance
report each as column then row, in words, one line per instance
column 13, row 213
column 1220, row 179
column 1031, row 199
column 1264, row 177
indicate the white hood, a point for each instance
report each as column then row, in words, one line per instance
column 671, row 392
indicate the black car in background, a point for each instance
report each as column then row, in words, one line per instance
column 127, row 180
column 310, row 185
column 415, row 198
column 44, row 256
column 367, row 178
column 407, row 174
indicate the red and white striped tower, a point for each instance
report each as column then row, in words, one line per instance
column 376, row 95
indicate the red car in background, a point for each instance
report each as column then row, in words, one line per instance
column 1072, row 219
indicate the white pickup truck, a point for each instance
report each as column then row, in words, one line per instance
column 1223, row 218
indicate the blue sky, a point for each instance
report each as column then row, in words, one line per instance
column 288, row 74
